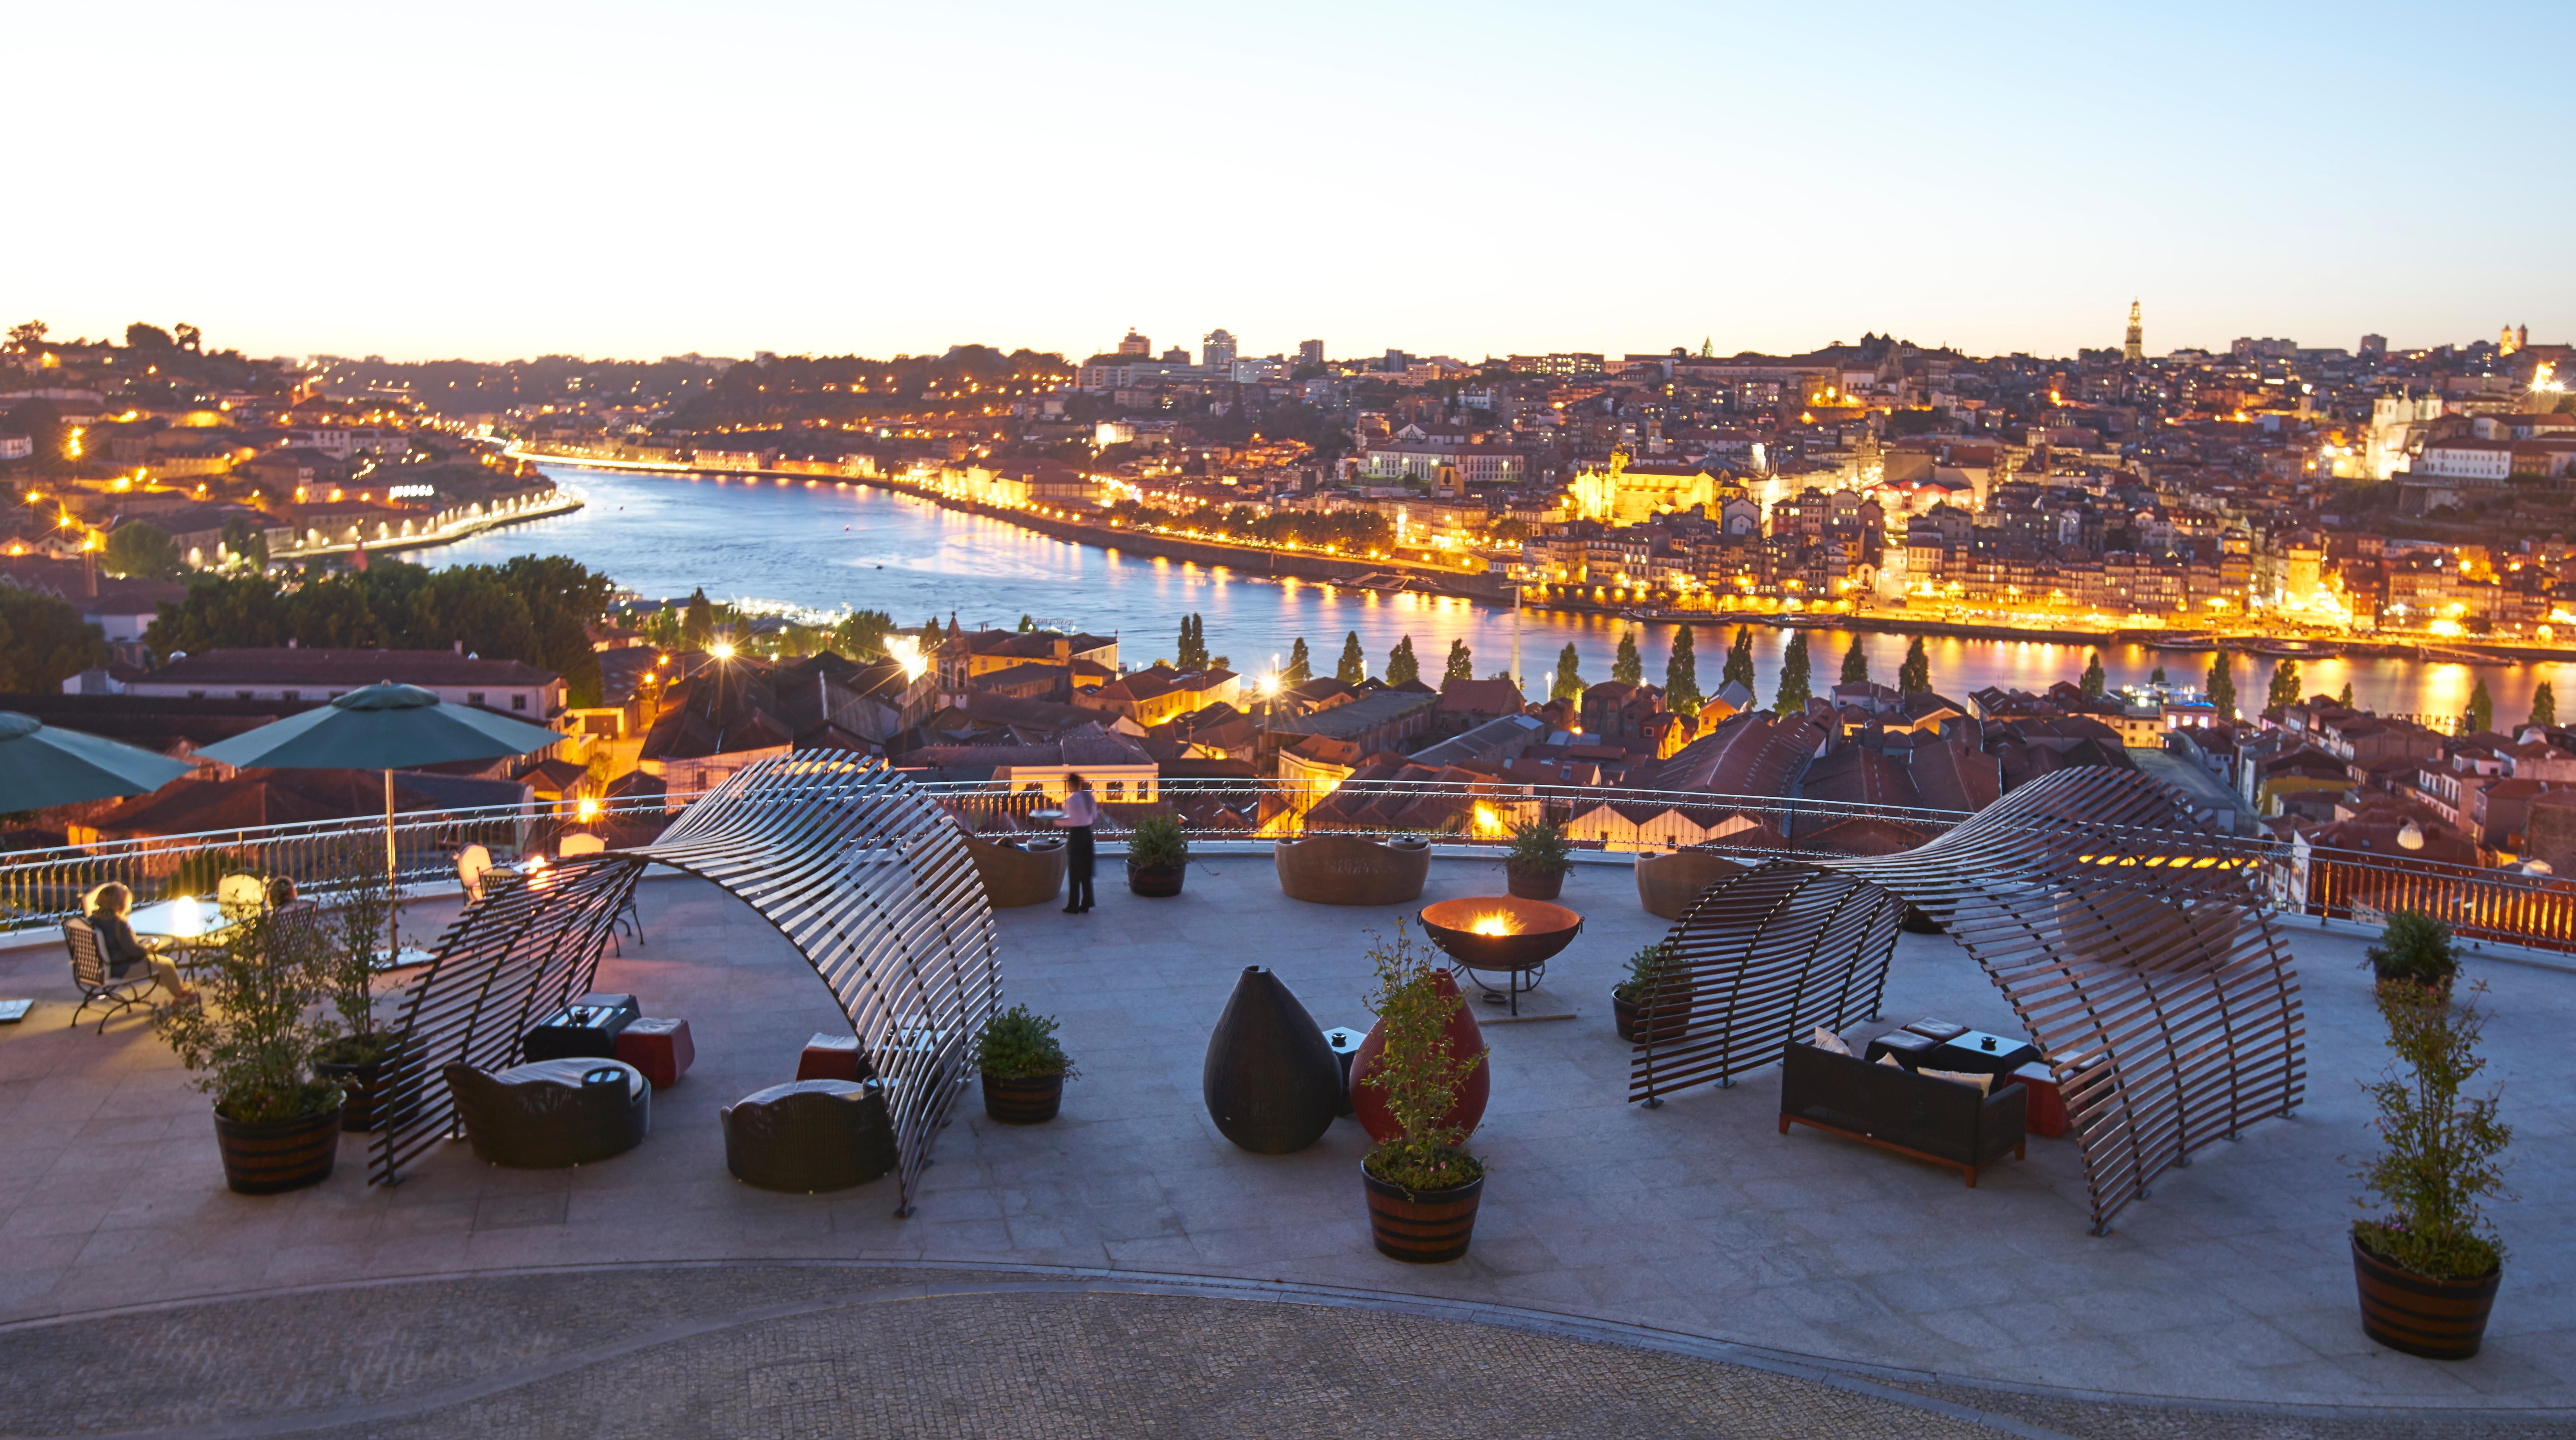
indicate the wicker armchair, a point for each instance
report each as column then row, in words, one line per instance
column 551, row 1113
column 809, row 1135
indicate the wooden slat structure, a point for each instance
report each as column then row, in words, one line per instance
column 858, row 869
column 2128, row 938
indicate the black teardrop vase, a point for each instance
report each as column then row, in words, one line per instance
column 1271, row 1082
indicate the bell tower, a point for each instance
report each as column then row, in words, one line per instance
column 2135, row 349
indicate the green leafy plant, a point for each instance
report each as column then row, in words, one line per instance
column 1157, row 843
column 1018, row 1045
column 1648, row 972
column 2440, row 1152
column 251, row 1037
column 1417, row 1072
column 1540, row 847
column 354, row 929
column 2414, row 946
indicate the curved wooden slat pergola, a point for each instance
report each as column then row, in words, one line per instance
column 2126, row 936
column 857, row 869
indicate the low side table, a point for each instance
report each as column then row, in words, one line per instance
column 2045, row 1115
column 576, row 1032
column 658, row 1047
column 834, row 1057
column 1974, row 1052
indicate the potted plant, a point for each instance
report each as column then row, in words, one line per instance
column 1657, row 993
column 1534, row 868
column 2417, row 948
column 1024, row 1067
column 2428, row 1265
column 356, row 1056
column 250, row 1040
column 1158, row 855
column 1423, row 1187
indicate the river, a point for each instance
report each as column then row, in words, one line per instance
column 821, row 546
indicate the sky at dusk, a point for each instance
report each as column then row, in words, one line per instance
column 643, row 179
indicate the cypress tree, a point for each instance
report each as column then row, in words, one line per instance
column 1914, row 677
column 1354, row 665
column 698, row 621
column 2157, row 678
column 2544, row 704
column 1462, row 664
column 2481, row 707
column 1400, row 664
column 1794, row 692
column 1300, row 666
column 1628, row 668
column 1855, row 663
column 1569, row 681
column 2345, row 699
column 2285, row 686
column 1681, row 676
column 2095, row 682
column 1739, row 660
column 2222, row 687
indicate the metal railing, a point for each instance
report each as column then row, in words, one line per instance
column 40, row 888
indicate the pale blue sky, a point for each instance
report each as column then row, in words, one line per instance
column 639, row 179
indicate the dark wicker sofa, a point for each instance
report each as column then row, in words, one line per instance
column 809, row 1135
column 1943, row 1121
column 551, row 1113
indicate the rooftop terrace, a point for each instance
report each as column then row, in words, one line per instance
column 1802, row 1283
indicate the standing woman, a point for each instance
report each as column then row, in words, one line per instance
column 1080, row 813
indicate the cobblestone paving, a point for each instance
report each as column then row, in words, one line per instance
column 848, row 1350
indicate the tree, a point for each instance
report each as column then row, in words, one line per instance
column 1569, row 679
column 1354, row 663
column 1739, row 660
column 1462, row 664
column 1193, row 654
column 1028, row 624
column 698, row 621
column 43, row 641
column 1400, row 664
column 2481, row 707
column 1301, row 667
column 1628, row 668
column 26, row 335
column 1914, row 677
column 1794, row 691
column 142, row 550
column 2222, row 687
column 1681, row 676
column 860, row 635
column 247, row 540
column 2158, row 678
column 2285, row 686
column 1856, row 664
column 190, row 337
column 2544, row 705
column 139, row 336
column 2345, row 699
column 2094, row 681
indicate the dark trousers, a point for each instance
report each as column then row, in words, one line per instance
column 1077, row 867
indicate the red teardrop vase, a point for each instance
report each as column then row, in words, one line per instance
column 1368, row 1103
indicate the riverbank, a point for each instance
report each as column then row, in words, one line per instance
column 504, row 513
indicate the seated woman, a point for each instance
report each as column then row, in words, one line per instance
column 122, row 950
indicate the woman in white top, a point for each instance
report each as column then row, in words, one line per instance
column 1080, row 813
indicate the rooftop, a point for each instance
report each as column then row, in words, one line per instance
column 1608, row 1230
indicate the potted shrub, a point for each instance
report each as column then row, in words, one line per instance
column 1158, row 855
column 2428, row 1265
column 250, row 1041
column 1024, row 1067
column 1656, row 992
column 2417, row 948
column 1423, row 1187
column 356, row 1056
column 1534, row 868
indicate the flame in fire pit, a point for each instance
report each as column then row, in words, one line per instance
column 1495, row 924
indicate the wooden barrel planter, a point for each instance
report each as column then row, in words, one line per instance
column 1523, row 884
column 1155, row 882
column 1422, row 1227
column 279, row 1155
column 2421, row 1315
column 1029, row 1101
column 362, row 1084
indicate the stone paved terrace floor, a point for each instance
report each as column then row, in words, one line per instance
column 1695, row 1228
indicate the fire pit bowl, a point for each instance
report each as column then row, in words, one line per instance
column 1501, row 933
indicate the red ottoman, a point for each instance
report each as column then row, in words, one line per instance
column 833, row 1057
column 2046, row 1112
column 659, row 1048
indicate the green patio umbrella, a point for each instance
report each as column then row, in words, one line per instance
column 42, row 765
column 384, row 727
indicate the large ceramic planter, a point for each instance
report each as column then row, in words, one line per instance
column 363, row 1087
column 1368, row 1103
column 2437, row 1319
column 1672, row 1016
column 1421, row 1227
column 1025, row 870
column 1668, row 885
column 279, row 1155
column 1155, row 882
column 1030, row 1101
column 1327, row 869
column 1271, row 1083
column 1526, row 884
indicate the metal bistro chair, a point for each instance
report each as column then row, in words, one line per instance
column 628, row 917
column 89, row 972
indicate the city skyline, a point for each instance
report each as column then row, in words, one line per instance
column 797, row 180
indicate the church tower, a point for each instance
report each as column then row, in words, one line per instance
column 2135, row 348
